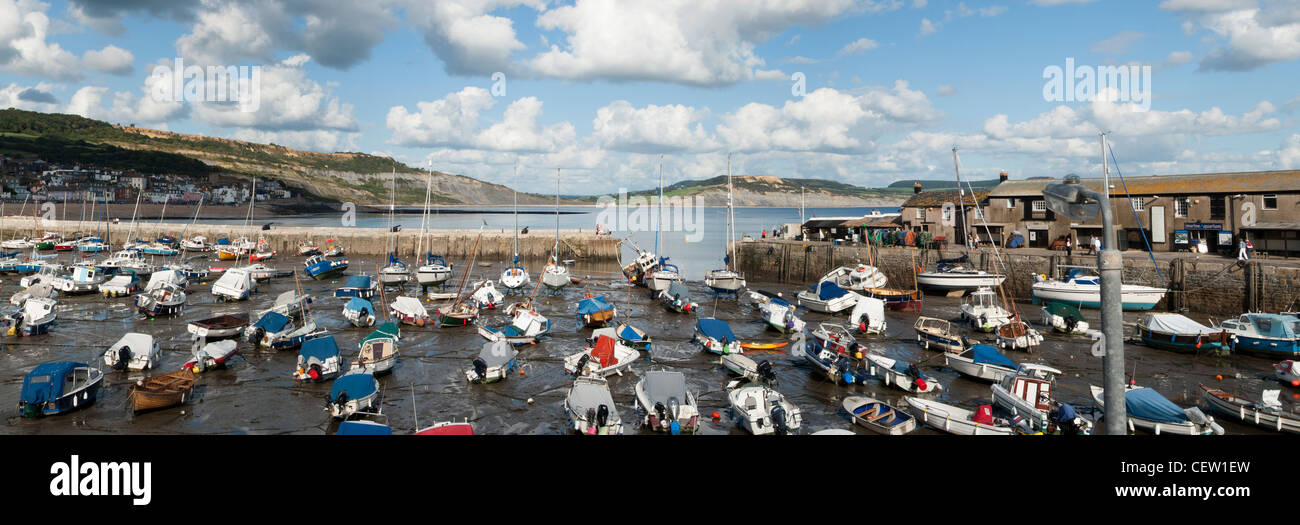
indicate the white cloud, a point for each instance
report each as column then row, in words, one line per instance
column 858, row 47
column 653, row 129
column 31, row 98
column 288, row 100
column 520, row 130
column 1049, row 3
column 24, row 27
column 111, row 59
column 468, row 39
column 1289, row 154
column 1118, row 44
column 1206, row 5
column 1248, row 36
column 928, row 27
column 450, row 121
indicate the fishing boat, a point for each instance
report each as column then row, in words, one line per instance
column 828, row 298
column 837, row 368
column 715, row 336
column 856, row 278
column 743, row 366
column 868, row 316
column 727, row 279
column 334, row 251
column 38, row 290
column 1064, row 318
column 318, row 360
column 261, row 255
column 837, row 339
column 262, row 273
column 1266, row 335
column 494, row 362
column 190, row 271
column 1150, row 411
column 129, row 260
column 878, row 416
column 776, row 313
column 235, row 284
column 378, row 351
column 1082, row 288
column 677, row 298
column 526, row 326
column 120, row 285
column 219, row 327
column 644, row 263
column 361, row 286
column 1178, row 333
column 983, row 362
column 487, row 296
column 900, row 374
column 359, row 312
column 84, row 279
column 1018, row 335
column 164, row 391
column 409, row 310
column 320, row 268
column 56, row 388
column 935, row 332
column 591, row 409
column 157, row 248
column 957, row 420
column 605, row 357
column 1268, row 412
column 762, row 410
column 308, row 249
column 953, row 274
column 353, row 392
column 167, row 299
column 595, row 312
column 134, row 351
column 664, row 403
column 212, row 356
column 34, row 317
column 982, row 311
column 1030, row 393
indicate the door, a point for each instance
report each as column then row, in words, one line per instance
column 1158, row 224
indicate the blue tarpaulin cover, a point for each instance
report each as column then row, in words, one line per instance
column 592, row 305
column 989, row 354
column 361, row 428
column 321, row 348
column 777, row 300
column 630, row 334
column 715, row 329
column 827, row 290
column 1145, row 403
column 358, row 281
column 1065, row 413
column 45, row 382
column 272, row 322
column 356, row 386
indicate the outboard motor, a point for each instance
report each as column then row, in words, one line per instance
column 480, row 368
column 314, row 371
column 661, row 411
column 602, row 415
column 765, row 371
column 123, row 356
column 342, row 399
column 582, row 365
column 591, row 418
column 1070, row 322
column 778, row 420
column 254, row 334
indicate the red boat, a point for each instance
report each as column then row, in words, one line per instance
column 448, row 428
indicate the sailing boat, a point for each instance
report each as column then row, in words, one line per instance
column 555, row 276
column 460, row 312
column 727, row 280
column 396, row 273
column 952, row 274
column 18, row 243
column 435, row 270
column 515, row 276
column 663, row 275
column 241, row 246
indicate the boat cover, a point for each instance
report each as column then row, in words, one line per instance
column 387, row 330
column 678, row 290
column 363, row 428
column 988, row 354
column 662, row 385
column 1268, row 325
column 1065, row 413
column 287, row 298
column 603, row 353
column 1174, row 324
column 954, row 260
column 355, row 386
column 320, row 348
column 983, row 415
column 715, row 329
column 1064, row 311
column 218, row 349
column 497, row 353
column 409, row 306
column 1145, row 403
column 358, row 281
column 272, row 322
column 138, row 344
column 827, row 290
column 591, row 393
column 773, row 298
column 360, row 305
column 45, row 382
column 591, row 305
column 627, row 332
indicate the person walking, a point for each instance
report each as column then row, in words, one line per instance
column 1242, row 253
column 1069, row 246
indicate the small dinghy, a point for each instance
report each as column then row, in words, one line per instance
column 828, row 298
column 1064, row 318
column 378, row 351
column 46, row 274
column 134, row 351
column 762, row 410
column 677, row 298
column 359, row 312
column 901, row 374
column 983, row 362
column 838, row 368
column 595, row 312
column 318, row 360
column 982, row 311
column 166, row 299
column 34, row 317
column 409, row 310
column 1177, row 333
column 665, row 404
column 164, row 391
column 778, row 314
column 121, row 285
column 219, row 327
column 353, row 392
column 591, row 409
column 1018, row 335
column 856, row 278
column 456, row 314
column 957, row 420
column 878, row 416
column 487, row 296
column 605, row 357
column 55, row 388
column 358, row 286
column 212, row 356
column 235, row 284
column 743, row 366
column 1268, row 412
column 527, row 326
column 837, row 339
column 715, row 336
column 939, row 333
column 1148, row 410
column 868, row 316
column 494, row 362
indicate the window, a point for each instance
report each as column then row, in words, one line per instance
column 920, row 214
column 1138, row 204
column 947, row 215
column 1040, row 205
column 1270, row 202
column 979, row 213
column 1180, row 207
column 1218, row 210
column 1011, row 204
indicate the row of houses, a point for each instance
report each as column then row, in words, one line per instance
column 34, row 179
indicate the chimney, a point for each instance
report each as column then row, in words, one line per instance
column 1002, row 177
column 916, row 188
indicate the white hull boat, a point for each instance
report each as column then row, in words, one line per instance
column 607, row 356
column 134, row 351
column 868, row 316
column 901, row 374
column 857, row 278
column 1158, row 415
column 591, row 409
column 828, row 298
column 665, row 404
column 956, row 420
column 762, row 410
column 1266, row 413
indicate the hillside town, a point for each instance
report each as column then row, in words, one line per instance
column 37, row 180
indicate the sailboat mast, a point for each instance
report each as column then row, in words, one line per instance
column 516, row 188
column 659, row 213
column 731, row 227
column 961, row 201
column 556, row 250
column 392, row 198
column 424, row 218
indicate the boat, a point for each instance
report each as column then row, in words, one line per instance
column 644, row 263
column 277, row 331
column 1148, row 410
column 189, row 271
column 868, row 316
column 456, row 314
column 59, row 387
column 900, row 374
column 626, row 334
column 1064, row 318
column 982, row 311
column 983, row 362
column 318, row 360
column 353, row 392
column 896, row 300
column 1268, row 412
column 219, row 327
column 359, row 312
column 605, row 357
column 235, row 284
column 856, row 278
column 743, row 366
column 320, row 268
column 409, row 310
column 261, row 255
column 121, row 285
column 84, row 279
column 663, row 276
column 1018, row 335
column 838, row 368
column 434, row 272
column 1265, row 335
column 166, row 277
column 776, row 312
column 1287, row 372
column 212, row 356
column 308, row 249
column 664, row 403
column 164, row 391
column 1178, row 333
column 378, row 351
column 47, row 273
column 38, row 290
column 555, row 275
column 515, row 276
column 878, row 416
column 1030, row 393
column 494, row 362
column 334, row 251
column 594, row 311
column 1082, row 288
column 837, row 339
column 197, row 243
column 262, row 273
column 727, row 279
column 953, row 274
column 486, row 296
column 34, row 317
column 447, row 428
column 167, row 299
column 677, row 298
column 361, row 286
column 128, row 260
column 355, row 425
column 957, row 420
column 935, row 332
column 715, row 336
column 134, row 351
column 828, row 298
column 591, row 409
column 527, row 326
column 761, row 410
column 395, row 273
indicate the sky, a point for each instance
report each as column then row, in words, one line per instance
column 865, row 92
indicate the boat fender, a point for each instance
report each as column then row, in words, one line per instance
column 920, row 384
column 848, row 378
column 675, row 428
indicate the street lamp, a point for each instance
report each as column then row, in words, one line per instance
column 1079, row 203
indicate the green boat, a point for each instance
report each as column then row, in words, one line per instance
column 45, row 245
column 1064, row 318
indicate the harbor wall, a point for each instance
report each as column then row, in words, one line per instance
column 1214, row 286
column 496, row 244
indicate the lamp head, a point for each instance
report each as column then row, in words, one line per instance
column 1071, row 199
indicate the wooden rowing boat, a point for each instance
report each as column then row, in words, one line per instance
column 162, row 391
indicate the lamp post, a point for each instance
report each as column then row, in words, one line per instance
column 1076, row 202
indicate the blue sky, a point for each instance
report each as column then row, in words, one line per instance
column 601, row 89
